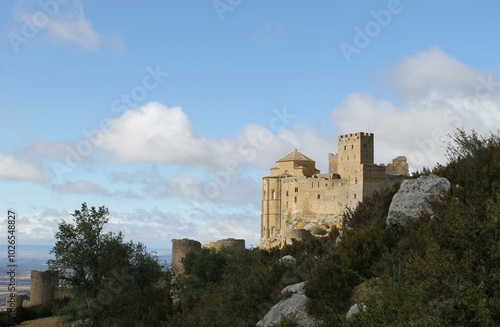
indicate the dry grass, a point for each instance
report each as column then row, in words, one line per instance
column 44, row 322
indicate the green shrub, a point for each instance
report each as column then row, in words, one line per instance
column 290, row 320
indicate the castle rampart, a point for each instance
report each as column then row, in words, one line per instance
column 238, row 244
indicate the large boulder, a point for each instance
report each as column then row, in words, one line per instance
column 413, row 198
column 294, row 304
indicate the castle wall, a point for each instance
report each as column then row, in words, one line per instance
column 180, row 248
column 43, row 287
column 398, row 166
column 322, row 196
column 333, row 165
column 238, row 244
column 375, row 178
column 20, row 298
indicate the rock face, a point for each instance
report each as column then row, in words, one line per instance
column 413, row 196
column 355, row 309
column 287, row 259
column 296, row 303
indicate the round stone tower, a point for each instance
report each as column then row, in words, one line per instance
column 180, row 248
column 43, row 287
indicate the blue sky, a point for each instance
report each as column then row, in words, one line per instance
column 170, row 112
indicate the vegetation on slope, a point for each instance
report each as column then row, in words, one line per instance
column 440, row 270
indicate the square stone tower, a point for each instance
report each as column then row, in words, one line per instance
column 354, row 150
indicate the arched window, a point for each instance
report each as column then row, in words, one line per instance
column 318, row 197
column 295, row 200
column 354, row 196
column 273, row 194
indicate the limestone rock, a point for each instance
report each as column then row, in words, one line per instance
column 355, row 309
column 296, row 303
column 295, row 288
column 413, row 197
column 288, row 259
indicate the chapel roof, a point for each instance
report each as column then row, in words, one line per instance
column 295, row 156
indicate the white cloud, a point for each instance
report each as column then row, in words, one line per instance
column 432, row 72
column 62, row 23
column 13, row 168
column 158, row 227
column 439, row 94
column 80, row 187
column 37, row 226
column 154, row 133
column 72, row 27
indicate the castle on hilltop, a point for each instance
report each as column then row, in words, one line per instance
column 295, row 189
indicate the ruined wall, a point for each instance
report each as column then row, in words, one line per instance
column 180, row 248
column 43, row 287
column 333, row 165
column 238, row 244
column 398, row 166
column 301, row 235
column 20, row 298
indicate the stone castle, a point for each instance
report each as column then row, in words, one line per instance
column 296, row 195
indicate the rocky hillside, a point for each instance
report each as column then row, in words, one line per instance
column 425, row 254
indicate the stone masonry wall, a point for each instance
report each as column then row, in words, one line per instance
column 180, row 248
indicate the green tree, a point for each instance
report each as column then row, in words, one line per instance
column 102, row 272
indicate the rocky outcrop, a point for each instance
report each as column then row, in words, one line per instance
column 355, row 309
column 300, row 228
column 413, row 198
column 294, row 304
column 288, row 259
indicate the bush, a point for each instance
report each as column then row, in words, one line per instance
column 290, row 320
